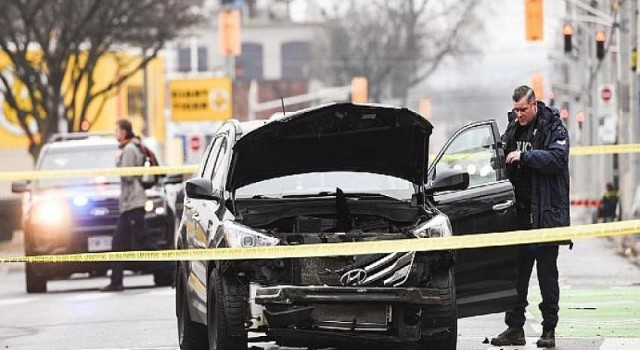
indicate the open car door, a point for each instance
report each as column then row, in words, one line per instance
column 485, row 277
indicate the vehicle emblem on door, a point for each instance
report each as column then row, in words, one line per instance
column 353, row 277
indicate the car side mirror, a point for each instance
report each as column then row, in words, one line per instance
column 20, row 187
column 449, row 180
column 173, row 179
column 202, row 189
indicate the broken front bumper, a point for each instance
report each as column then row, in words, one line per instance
column 304, row 295
column 322, row 312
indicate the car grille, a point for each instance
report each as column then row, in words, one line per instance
column 96, row 213
column 369, row 270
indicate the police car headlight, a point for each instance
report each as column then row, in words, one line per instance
column 240, row 236
column 438, row 226
column 52, row 213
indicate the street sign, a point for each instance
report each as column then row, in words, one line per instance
column 195, row 142
column 606, row 94
column 201, row 99
column 193, row 148
column 607, row 114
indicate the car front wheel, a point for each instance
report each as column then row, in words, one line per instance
column 227, row 303
column 35, row 283
column 444, row 315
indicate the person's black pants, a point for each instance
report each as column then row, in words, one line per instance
column 130, row 228
column 546, row 258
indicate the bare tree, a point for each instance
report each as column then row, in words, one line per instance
column 54, row 47
column 396, row 44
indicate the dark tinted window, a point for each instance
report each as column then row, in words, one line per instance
column 249, row 64
column 202, row 59
column 295, row 60
column 184, row 59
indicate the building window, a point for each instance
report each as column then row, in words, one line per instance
column 295, row 60
column 249, row 63
column 134, row 101
column 202, row 59
column 184, row 59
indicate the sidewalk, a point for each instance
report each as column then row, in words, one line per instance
column 15, row 247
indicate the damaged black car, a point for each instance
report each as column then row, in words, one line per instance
column 343, row 173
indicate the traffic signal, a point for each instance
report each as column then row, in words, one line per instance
column 600, row 38
column 533, row 18
column 229, row 32
column 568, row 36
column 634, row 59
column 359, row 90
column 580, row 119
column 537, row 84
column 425, row 107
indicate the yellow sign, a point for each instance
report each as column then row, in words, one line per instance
column 201, row 99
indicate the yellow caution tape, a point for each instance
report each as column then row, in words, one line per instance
column 355, row 248
column 604, row 149
column 59, row 174
column 185, row 169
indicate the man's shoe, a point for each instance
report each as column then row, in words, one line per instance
column 547, row 340
column 512, row 336
column 113, row 288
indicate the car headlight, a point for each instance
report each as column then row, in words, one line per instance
column 240, row 236
column 49, row 213
column 155, row 205
column 437, row 226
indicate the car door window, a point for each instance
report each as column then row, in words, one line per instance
column 473, row 151
column 210, row 160
column 220, row 157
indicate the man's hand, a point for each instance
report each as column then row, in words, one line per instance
column 513, row 157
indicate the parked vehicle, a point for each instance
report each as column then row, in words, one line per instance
column 333, row 174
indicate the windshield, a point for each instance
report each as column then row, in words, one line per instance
column 95, row 157
column 327, row 182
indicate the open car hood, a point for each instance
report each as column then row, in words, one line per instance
column 337, row 137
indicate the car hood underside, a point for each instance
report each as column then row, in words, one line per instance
column 337, row 137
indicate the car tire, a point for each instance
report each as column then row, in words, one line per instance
column 35, row 283
column 191, row 335
column 446, row 314
column 226, row 307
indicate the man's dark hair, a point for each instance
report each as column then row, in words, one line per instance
column 524, row 91
column 125, row 124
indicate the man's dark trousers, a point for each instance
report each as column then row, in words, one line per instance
column 130, row 226
column 546, row 259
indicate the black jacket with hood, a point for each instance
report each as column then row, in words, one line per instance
column 548, row 161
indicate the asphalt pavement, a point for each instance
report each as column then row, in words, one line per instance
column 600, row 309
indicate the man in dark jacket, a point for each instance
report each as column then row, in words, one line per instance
column 537, row 147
